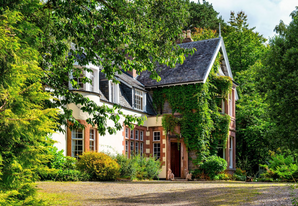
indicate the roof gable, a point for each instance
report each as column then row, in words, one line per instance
column 195, row 68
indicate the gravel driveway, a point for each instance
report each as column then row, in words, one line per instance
column 167, row 193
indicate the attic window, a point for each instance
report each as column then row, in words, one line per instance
column 79, row 81
column 138, row 99
column 87, row 86
column 114, row 92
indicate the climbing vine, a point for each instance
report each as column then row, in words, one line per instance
column 202, row 125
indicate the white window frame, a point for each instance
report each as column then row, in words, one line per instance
column 132, row 144
column 126, row 132
column 154, row 150
column 93, row 75
column 154, row 136
column 92, row 140
column 126, row 148
column 230, row 104
column 137, row 135
column 137, row 148
column 91, row 86
column 141, row 148
column 141, row 135
column 139, row 100
column 231, row 152
column 131, row 133
column 77, row 79
column 223, row 104
column 113, row 92
column 74, row 139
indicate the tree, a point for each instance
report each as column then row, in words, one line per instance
column 278, row 83
column 41, row 40
column 203, row 15
column 104, row 33
column 245, row 48
column 254, row 138
column 244, row 45
column 24, row 119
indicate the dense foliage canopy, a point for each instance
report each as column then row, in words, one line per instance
column 103, row 33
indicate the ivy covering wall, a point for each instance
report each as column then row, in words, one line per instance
column 202, row 125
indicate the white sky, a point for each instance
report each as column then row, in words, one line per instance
column 262, row 14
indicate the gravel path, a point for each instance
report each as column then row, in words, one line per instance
column 169, row 193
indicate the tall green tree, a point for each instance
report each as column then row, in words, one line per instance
column 245, row 48
column 104, row 33
column 203, row 15
column 278, row 82
column 25, row 121
column 244, row 45
column 254, row 138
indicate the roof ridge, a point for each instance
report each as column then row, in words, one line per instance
column 200, row 41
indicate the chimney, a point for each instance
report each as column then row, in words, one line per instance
column 188, row 37
column 132, row 73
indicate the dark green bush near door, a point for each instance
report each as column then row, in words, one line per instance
column 213, row 165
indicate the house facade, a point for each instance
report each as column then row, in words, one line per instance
column 134, row 94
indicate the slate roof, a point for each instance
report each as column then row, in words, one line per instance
column 130, row 80
column 194, row 69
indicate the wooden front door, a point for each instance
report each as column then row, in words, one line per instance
column 175, row 159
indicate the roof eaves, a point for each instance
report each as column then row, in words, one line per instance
column 174, row 84
column 212, row 61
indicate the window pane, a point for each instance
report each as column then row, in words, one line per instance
column 138, row 99
column 126, row 148
column 137, row 134
column 156, row 150
column 126, row 132
column 141, row 135
column 141, row 149
column 131, row 148
column 156, row 136
column 131, row 134
column 137, row 148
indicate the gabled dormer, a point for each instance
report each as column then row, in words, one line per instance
column 129, row 93
column 93, row 75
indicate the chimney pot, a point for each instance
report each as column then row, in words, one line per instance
column 188, row 33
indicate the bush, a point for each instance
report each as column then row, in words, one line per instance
column 138, row 167
column 63, row 175
column 61, row 168
column 200, row 174
column 226, row 176
column 214, row 165
column 239, row 177
column 240, row 172
column 280, row 167
column 99, row 166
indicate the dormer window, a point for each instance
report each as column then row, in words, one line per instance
column 80, row 84
column 140, row 100
column 92, row 75
column 113, row 92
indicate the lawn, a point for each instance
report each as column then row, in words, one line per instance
column 165, row 193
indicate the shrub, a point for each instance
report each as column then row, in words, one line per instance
column 200, row 174
column 61, row 168
column 99, row 166
column 214, row 165
column 239, row 177
column 240, row 172
column 138, row 167
column 63, row 175
column 281, row 167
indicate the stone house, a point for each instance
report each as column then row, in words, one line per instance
column 134, row 94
